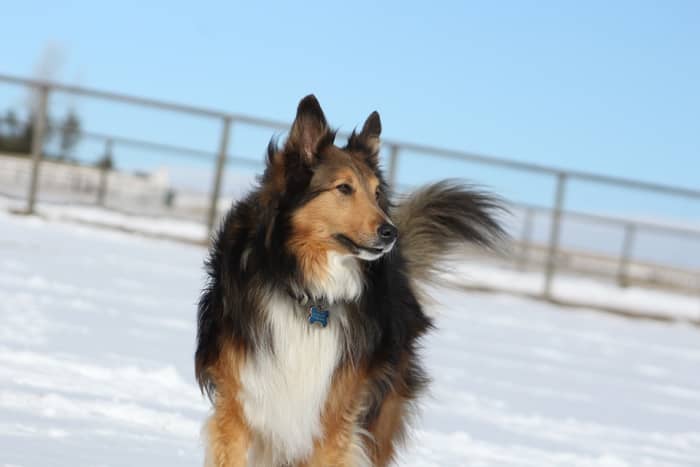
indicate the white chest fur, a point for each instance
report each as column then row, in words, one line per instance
column 284, row 389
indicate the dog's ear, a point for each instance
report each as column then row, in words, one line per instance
column 371, row 131
column 309, row 128
column 367, row 141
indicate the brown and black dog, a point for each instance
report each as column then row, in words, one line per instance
column 309, row 325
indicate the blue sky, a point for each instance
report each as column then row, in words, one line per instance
column 609, row 87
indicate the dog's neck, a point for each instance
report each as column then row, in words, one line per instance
column 317, row 310
column 343, row 283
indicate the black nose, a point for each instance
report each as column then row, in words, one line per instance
column 387, row 232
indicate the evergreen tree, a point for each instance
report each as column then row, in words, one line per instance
column 69, row 134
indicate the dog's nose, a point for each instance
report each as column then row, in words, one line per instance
column 387, row 232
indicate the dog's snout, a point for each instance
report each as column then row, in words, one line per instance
column 387, row 232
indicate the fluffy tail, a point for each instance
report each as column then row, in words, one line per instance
column 437, row 218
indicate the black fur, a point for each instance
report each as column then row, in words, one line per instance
column 386, row 322
column 249, row 259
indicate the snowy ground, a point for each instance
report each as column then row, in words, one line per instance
column 96, row 342
column 150, row 225
column 593, row 292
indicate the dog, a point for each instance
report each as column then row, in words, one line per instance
column 310, row 321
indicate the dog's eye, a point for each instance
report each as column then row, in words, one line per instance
column 377, row 194
column 345, row 189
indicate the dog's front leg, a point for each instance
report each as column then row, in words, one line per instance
column 227, row 435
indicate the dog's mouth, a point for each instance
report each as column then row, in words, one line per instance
column 368, row 253
column 354, row 248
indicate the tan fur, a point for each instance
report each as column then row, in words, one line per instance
column 339, row 422
column 341, row 425
column 343, row 444
column 227, row 432
column 388, row 429
column 356, row 216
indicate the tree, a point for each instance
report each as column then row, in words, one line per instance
column 11, row 123
column 105, row 162
column 69, row 134
column 14, row 136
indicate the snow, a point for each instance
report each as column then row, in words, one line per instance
column 97, row 332
column 581, row 290
column 158, row 226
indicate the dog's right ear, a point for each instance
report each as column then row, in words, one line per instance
column 309, row 128
column 289, row 170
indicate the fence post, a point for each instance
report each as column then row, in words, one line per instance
column 37, row 145
column 104, row 172
column 627, row 245
column 393, row 166
column 526, row 239
column 554, row 235
column 218, row 173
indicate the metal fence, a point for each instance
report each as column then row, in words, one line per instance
column 548, row 255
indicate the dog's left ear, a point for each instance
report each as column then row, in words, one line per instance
column 367, row 141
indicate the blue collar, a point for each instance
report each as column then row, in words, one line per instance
column 317, row 315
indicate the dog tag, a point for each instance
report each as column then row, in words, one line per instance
column 317, row 316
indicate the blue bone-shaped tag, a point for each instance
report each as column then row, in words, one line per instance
column 317, row 316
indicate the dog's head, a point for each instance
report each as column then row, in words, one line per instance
column 333, row 199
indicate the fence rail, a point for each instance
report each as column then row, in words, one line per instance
column 396, row 151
